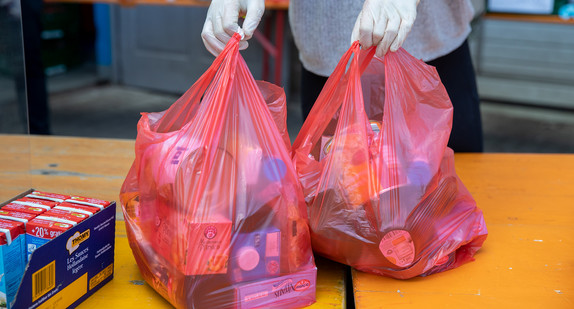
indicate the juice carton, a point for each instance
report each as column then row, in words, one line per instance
column 101, row 204
column 76, row 217
column 78, row 208
column 12, row 264
column 256, row 255
column 19, row 217
column 46, row 205
column 24, row 208
column 42, row 229
column 48, row 196
column 16, row 216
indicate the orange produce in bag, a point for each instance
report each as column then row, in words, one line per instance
column 213, row 207
column 377, row 175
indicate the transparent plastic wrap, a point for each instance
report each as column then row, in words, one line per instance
column 214, row 211
column 377, row 175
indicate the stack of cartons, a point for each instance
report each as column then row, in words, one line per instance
column 76, row 232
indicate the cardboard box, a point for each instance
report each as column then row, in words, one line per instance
column 69, row 268
column 42, row 230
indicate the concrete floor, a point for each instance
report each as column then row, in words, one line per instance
column 112, row 111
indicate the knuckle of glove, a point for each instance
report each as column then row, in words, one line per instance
column 378, row 33
column 408, row 20
column 229, row 26
column 391, row 32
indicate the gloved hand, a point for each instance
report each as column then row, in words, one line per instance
column 385, row 24
column 222, row 22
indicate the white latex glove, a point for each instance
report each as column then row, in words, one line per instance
column 385, row 24
column 222, row 22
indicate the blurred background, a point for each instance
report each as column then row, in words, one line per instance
column 89, row 67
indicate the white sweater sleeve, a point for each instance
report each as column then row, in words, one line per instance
column 322, row 29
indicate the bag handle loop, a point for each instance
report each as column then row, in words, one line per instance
column 325, row 97
column 180, row 112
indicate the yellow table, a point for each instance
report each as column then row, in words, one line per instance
column 528, row 258
column 528, row 203
column 97, row 168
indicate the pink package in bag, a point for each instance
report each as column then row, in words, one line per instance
column 214, row 211
column 378, row 177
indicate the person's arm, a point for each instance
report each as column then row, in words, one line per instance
column 385, row 24
column 222, row 22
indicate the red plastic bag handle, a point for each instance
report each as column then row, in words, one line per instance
column 328, row 111
column 349, row 107
column 179, row 112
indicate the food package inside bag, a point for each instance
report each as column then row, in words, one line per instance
column 214, row 210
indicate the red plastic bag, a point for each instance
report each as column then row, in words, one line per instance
column 377, row 175
column 214, row 211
